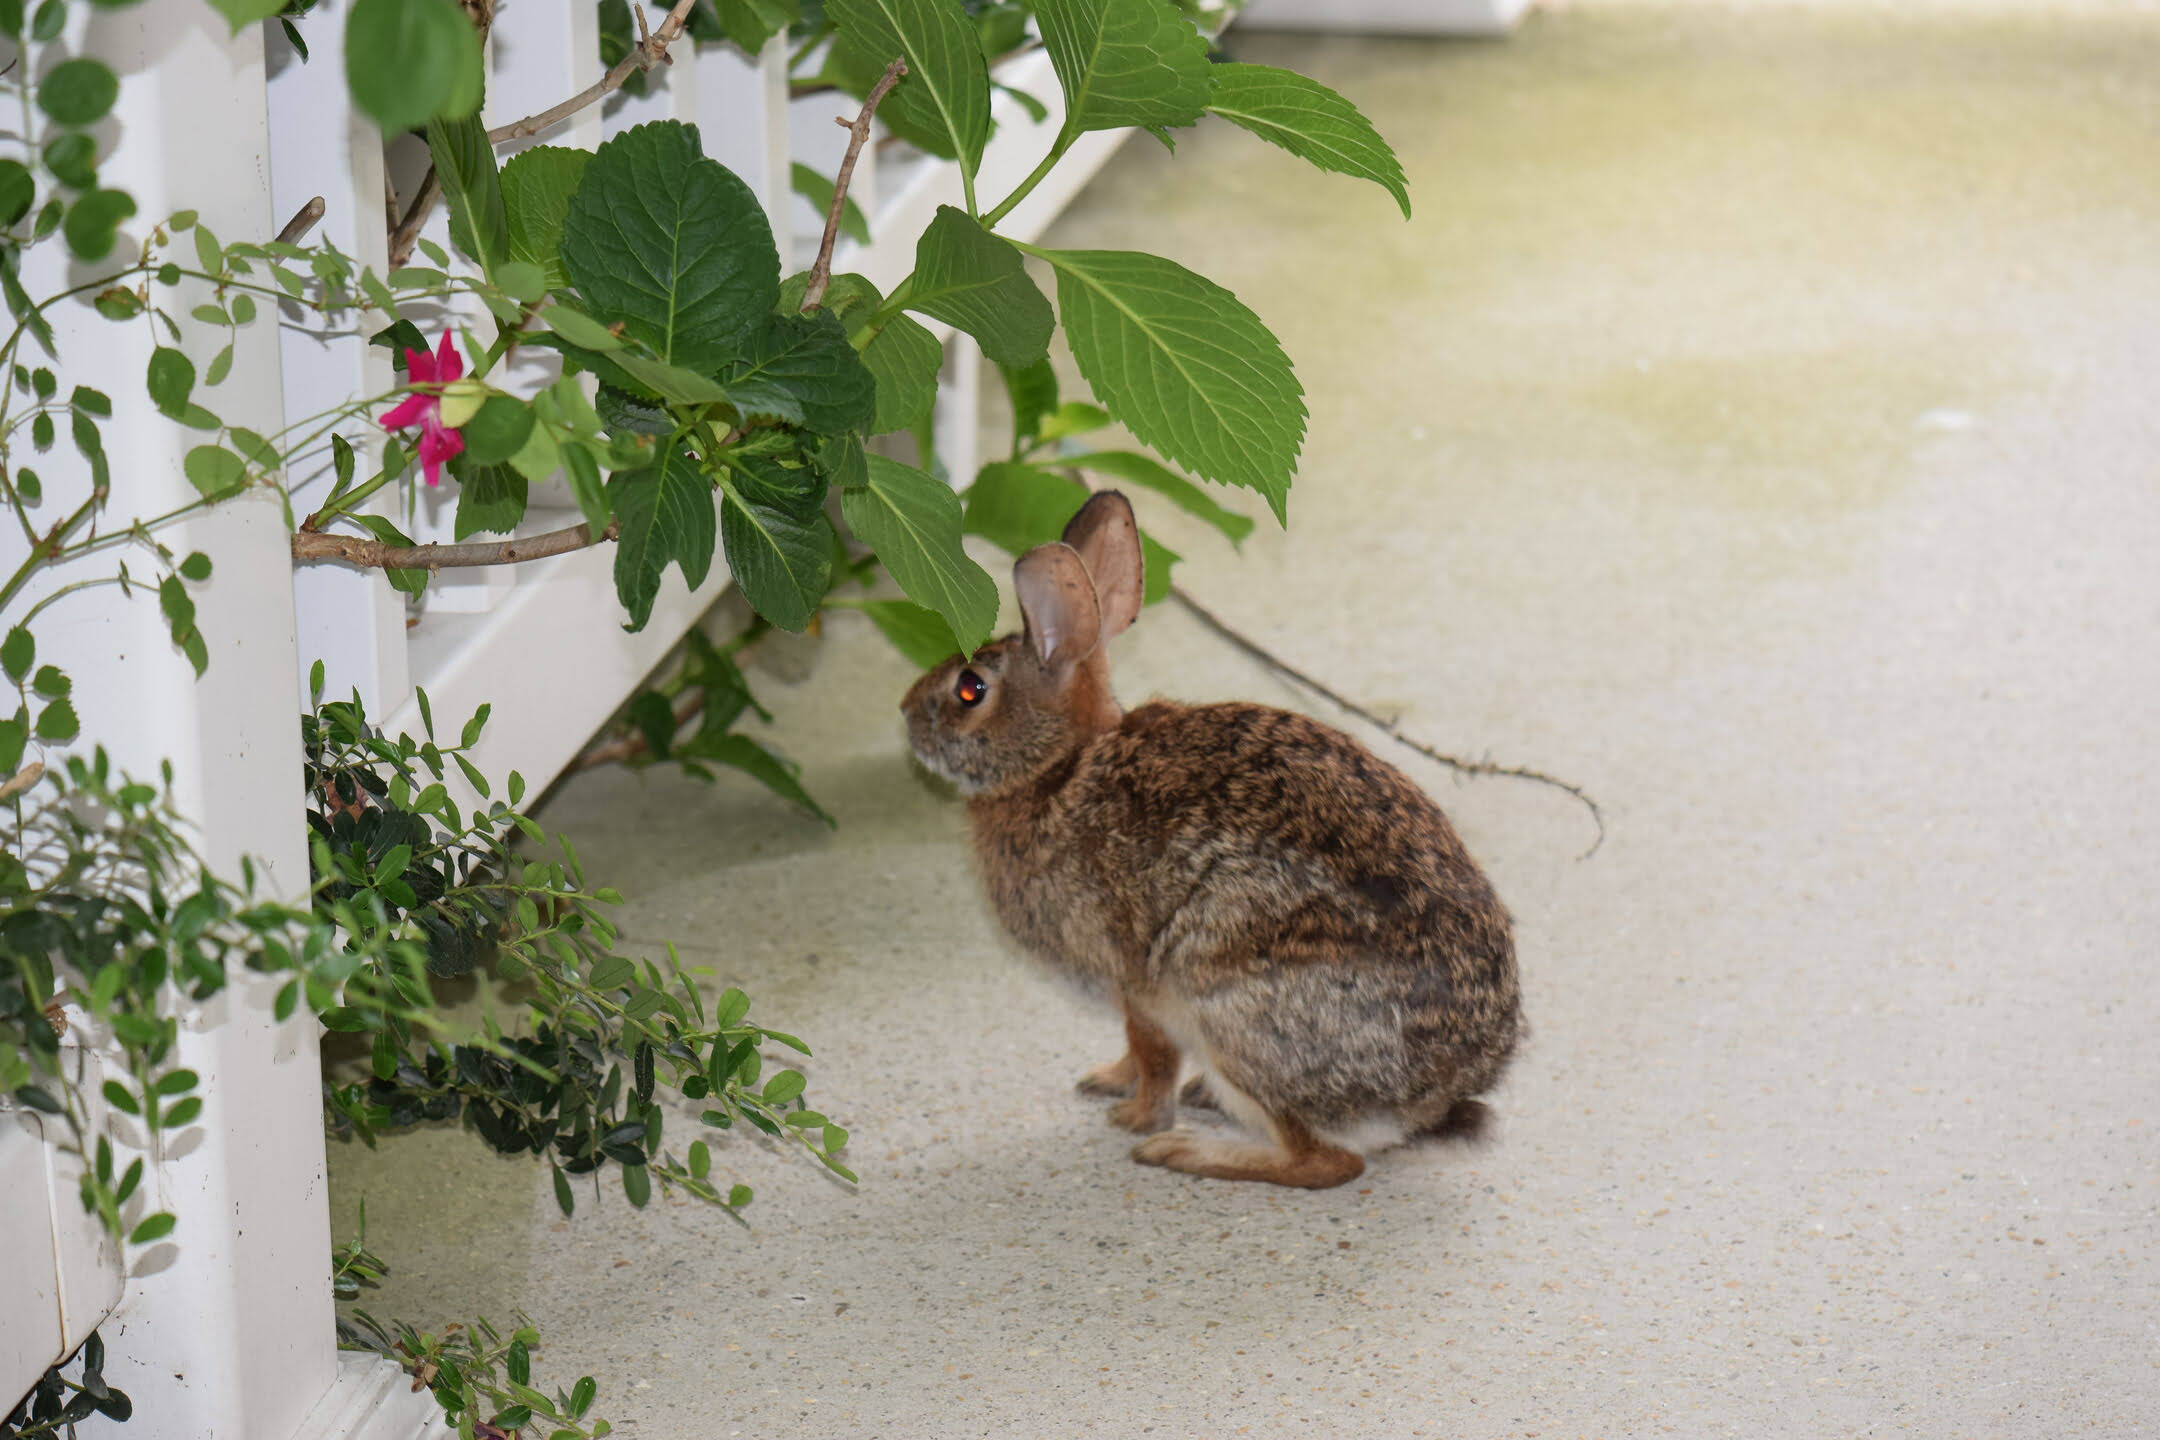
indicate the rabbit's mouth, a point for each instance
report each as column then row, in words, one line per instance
column 930, row 763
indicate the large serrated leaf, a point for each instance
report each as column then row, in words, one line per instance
column 1017, row 507
column 664, row 512
column 801, row 369
column 976, row 282
column 1309, row 120
column 1184, row 366
column 779, row 545
column 537, row 186
column 904, row 359
column 943, row 102
column 1125, row 62
column 671, row 244
column 913, row 522
column 465, row 164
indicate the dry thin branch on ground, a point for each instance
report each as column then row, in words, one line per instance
column 1391, row 728
column 858, row 131
column 378, row 555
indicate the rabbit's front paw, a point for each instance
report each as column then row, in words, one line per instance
column 1114, row 1077
column 1142, row 1115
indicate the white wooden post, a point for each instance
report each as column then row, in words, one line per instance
column 226, row 1329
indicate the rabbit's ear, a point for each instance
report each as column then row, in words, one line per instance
column 1109, row 545
column 1064, row 623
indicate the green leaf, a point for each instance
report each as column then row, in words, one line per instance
column 779, row 545
column 1152, row 475
column 51, row 682
column 156, row 1227
column 671, row 382
column 1034, row 394
column 1074, row 417
column 813, row 187
column 497, row 430
column 407, row 61
column 18, row 653
column 977, row 282
column 745, row 754
column 943, row 103
column 491, row 499
column 921, row 635
column 172, row 380
column 405, row 582
column 465, row 164
column 57, row 724
column 1125, row 62
column 912, row 520
column 583, row 474
column 564, row 1200
column 579, row 328
column 14, row 735
column 242, row 13
column 801, row 369
column 1017, row 507
column 78, row 91
column 213, row 469
column 196, row 567
column 637, row 1184
column 904, row 358
column 1309, row 120
column 785, row 1086
column 72, row 158
column 93, row 222
column 1184, row 366
column 665, row 513
column 750, row 23
column 738, row 1197
column 536, row 187
column 17, row 189
column 672, row 244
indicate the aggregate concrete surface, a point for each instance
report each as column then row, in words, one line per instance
column 1757, row 425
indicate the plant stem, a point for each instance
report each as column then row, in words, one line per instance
column 1035, row 177
column 376, row 555
column 647, row 53
column 859, row 131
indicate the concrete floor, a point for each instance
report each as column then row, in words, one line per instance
column 1758, row 425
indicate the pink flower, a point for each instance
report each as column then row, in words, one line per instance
column 428, row 375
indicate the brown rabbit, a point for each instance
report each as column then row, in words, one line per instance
column 1259, row 893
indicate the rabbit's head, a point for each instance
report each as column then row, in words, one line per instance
column 1021, row 703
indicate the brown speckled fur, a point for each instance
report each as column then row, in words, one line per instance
column 1258, row 891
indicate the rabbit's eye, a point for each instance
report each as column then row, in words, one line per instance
column 972, row 688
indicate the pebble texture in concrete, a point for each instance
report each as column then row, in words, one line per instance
column 1757, row 425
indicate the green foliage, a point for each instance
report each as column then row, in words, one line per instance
column 56, row 1404
column 479, row 1377
column 672, row 244
column 818, row 190
column 1309, row 120
column 409, row 61
column 1125, row 62
column 666, row 514
column 536, row 186
column 912, row 520
column 976, row 282
column 943, row 103
column 465, row 164
column 1186, row 367
column 578, row 1083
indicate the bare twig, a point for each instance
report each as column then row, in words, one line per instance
column 407, row 233
column 651, row 51
column 302, row 221
column 1392, row 728
column 377, row 555
column 859, row 131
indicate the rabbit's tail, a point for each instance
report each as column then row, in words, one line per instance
column 1462, row 1120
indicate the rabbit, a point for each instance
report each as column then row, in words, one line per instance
column 1258, row 892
